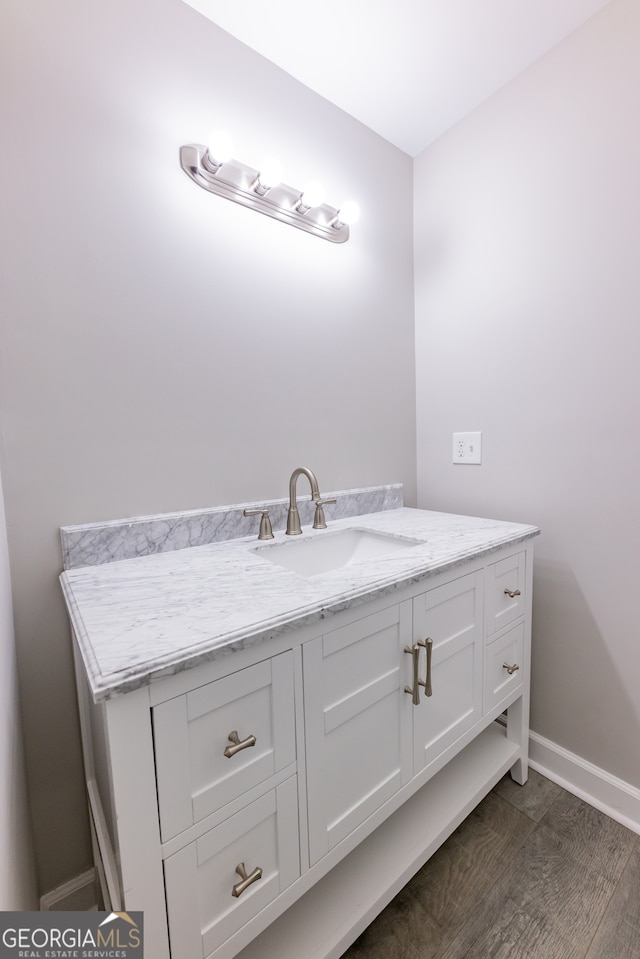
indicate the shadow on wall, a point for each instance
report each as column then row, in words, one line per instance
column 574, row 674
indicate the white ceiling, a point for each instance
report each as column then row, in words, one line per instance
column 408, row 69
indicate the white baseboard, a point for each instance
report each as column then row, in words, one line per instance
column 77, row 895
column 612, row 796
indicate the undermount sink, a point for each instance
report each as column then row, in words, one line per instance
column 335, row 550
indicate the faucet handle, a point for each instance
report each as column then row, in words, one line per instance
column 266, row 532
column 319, row 521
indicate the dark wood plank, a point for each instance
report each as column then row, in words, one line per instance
column 427, row 915
column 534, row 798
column 403, row 930
column 547, row 905
column 589, row 836
column 542, row 875
column 618, row 935
column 459, row 875
column 518, row 933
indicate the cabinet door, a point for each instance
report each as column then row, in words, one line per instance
column 202, row 907
column 450, row 616
column 199, row 767
column 358, row 723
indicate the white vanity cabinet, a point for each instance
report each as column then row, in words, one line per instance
column 270, row 802
column 390, row 774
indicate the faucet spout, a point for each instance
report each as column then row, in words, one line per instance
column 293, row 517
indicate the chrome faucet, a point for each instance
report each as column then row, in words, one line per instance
column 293, row 517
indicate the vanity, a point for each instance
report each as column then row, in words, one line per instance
column 277, row 735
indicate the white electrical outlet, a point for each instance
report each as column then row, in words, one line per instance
column 467, row 448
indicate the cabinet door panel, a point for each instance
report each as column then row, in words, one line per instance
column 357, row 723
column 195, row 777
column 450, row 616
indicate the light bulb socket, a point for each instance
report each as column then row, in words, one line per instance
column 258, row 187
column 311, row 197
column 210, row 164
column 219, row 149
column 270, row 174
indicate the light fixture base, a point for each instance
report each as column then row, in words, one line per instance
column 235, row 181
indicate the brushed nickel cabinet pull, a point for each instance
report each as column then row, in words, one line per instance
column 237, row 744
column 512, row 593
column 428, row 645
column 510, row 669
column 240, row 887
column 414, row 690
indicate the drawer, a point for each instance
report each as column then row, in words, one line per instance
column 502, row 655
column 198, row 767
column 506, row 587
column 200, row 878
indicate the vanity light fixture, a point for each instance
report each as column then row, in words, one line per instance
column 213, row 168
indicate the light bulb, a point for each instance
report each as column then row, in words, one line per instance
column 271, row 172
column 220, row 146
column 313, row 194
column 349, row 212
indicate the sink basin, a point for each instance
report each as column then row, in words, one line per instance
column 335, row 550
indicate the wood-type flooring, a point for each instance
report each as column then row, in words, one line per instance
column 532, row 873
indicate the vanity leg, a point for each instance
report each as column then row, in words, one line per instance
column 133, row 785
column 518, row 732
column 518, row 712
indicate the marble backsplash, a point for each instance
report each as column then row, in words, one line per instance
column 93, row 544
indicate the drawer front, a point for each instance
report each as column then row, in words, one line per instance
column 502, row 656
column 506, row 587
column 206, row 755
column 203, row 912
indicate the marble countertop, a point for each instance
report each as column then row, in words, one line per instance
column 149, row 617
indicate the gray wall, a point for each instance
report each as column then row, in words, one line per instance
column 164, row 349
column 527, row 236
column 17, row 867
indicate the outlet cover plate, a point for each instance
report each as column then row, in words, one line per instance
column 467, row 448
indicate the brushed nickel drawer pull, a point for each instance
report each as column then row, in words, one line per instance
column 240, row 887
column 428, row 645
column 414, row 690
column 237, row 745
column 512, row 593
column 510, row 669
